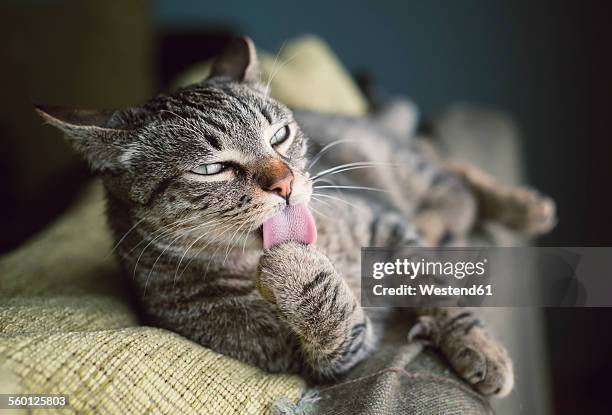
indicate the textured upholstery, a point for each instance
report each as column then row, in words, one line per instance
column 67, row 327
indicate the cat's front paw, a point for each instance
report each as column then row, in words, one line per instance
column 481, row 360
column 286, row 270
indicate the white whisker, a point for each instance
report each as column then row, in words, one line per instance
column 246, row 238
column 123, row 238
column 361, row 164
column 214, row 253
column 163, row 231
column 182, row 235
column 318, row 156
column 349, row 169
column 229, row 245
column 267, row 88
column 373, row 189
column 223, row 222
column 319, row 212
column 145, row 248
column 277, row 69
column 323, row 181
column 338, row 199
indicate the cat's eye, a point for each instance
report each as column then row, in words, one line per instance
column 209, row 169
column 280, row 136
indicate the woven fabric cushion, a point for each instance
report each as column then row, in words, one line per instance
column 67, row 327
column 66, row 321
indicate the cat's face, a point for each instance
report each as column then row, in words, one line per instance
column 210, row 162
column 224, row 153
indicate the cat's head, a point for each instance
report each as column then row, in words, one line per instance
column 221, row 154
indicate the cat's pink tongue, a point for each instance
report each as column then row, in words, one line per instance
column 295, row 223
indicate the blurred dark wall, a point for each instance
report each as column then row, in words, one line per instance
column 94, row 54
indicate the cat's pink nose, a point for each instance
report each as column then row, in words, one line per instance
column 282, row 186
column 275, row 176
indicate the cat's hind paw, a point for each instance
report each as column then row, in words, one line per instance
column 479, row 359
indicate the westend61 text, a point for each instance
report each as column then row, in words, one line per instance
column 433, row 290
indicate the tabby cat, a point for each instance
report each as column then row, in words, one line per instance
column 210, row 196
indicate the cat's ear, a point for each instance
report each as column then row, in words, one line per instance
column 96, row 135
column 238, row 62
